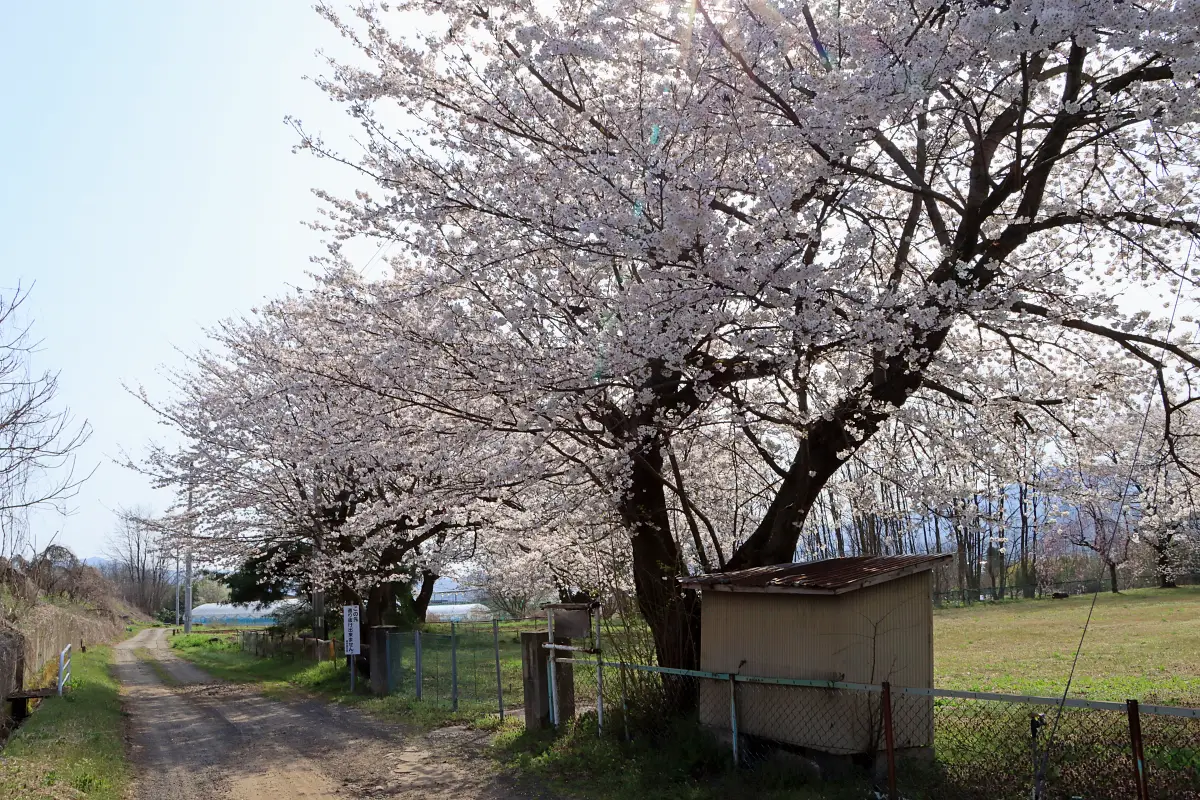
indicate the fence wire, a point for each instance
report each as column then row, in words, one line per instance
column 465, row 666
column 943, row 747
column 944, row 744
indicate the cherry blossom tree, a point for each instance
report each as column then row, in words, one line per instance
column 318, row 483
column 622, row 222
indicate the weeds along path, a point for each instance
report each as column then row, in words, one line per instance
column 193, row 737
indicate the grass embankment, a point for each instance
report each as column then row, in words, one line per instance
column 1142, row 644
column 71, row 744
column 280, row 676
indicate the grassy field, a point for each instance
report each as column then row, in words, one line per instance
column 1142, row 644
column 73, row 744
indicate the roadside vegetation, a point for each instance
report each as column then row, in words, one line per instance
column 679, row 763
column 75, row 742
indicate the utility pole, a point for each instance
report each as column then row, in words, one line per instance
column 177, row 587
column 187, row 568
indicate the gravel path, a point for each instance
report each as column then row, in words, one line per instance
column 194, row 737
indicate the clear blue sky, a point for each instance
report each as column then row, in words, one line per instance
column 148, row 189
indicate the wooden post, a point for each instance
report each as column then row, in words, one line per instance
column 889, row 740
column 1139, row 757
column 535, row 680
column 20, row 708
column 380, row 663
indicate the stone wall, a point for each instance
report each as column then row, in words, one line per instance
column 41, row 634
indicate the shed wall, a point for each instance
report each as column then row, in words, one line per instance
column 883, row 632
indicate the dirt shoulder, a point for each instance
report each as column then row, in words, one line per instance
column 191, row 736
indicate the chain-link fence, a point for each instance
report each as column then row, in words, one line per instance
column 1017, row 592
column 460, row 665
column 926, row 742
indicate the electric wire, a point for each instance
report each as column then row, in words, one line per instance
column 1045, row 760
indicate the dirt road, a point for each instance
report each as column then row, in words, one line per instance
column 193, row 737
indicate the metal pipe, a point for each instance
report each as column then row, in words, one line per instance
column 737, row 761
column 418, row 666
column 453, row 667
column 64, row 668
column 499, row 680
column 553, row 688
column 624, row 702
column 599, row 679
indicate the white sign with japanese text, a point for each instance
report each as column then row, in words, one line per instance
column 350, row 626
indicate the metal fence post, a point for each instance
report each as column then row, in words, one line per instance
column 599, row 680
column 737, row 761
column 1139, row 757
column 453, row 667
column 387, row 658
column 64, row 668
column 499, row 680
column 417, row 665
column 550, row 688
column 624, row 703
column 889, row 740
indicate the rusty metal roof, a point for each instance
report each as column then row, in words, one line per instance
column 830, row 576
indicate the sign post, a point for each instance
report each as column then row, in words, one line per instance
column 350, row 637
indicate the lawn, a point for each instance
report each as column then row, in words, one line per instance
column 72, row 744
column 1142, row 644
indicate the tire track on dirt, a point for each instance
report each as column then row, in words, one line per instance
column 200, row 738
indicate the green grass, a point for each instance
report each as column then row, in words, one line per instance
column 682, row 762
column 222, row 657
column 74, row 741
column 1142, row 644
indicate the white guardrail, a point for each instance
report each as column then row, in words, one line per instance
column 64, row 668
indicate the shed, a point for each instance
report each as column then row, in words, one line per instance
column 860, row 620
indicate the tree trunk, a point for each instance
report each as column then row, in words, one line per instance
column 672, row 614
column 1165, row 581
column 1112, row 576
column 380, row 600
column 421, row 601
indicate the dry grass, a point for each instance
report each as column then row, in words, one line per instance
column 1142, row 644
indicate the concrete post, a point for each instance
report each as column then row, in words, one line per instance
column 536, row 681
column 378, row 656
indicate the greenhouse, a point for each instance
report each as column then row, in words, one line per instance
column 239, row 614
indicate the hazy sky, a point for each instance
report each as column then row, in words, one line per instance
column 148, row 189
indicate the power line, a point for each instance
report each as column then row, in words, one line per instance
column 385, row 245
column 1040, row 776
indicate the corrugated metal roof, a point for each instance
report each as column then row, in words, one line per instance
column 830, row 576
